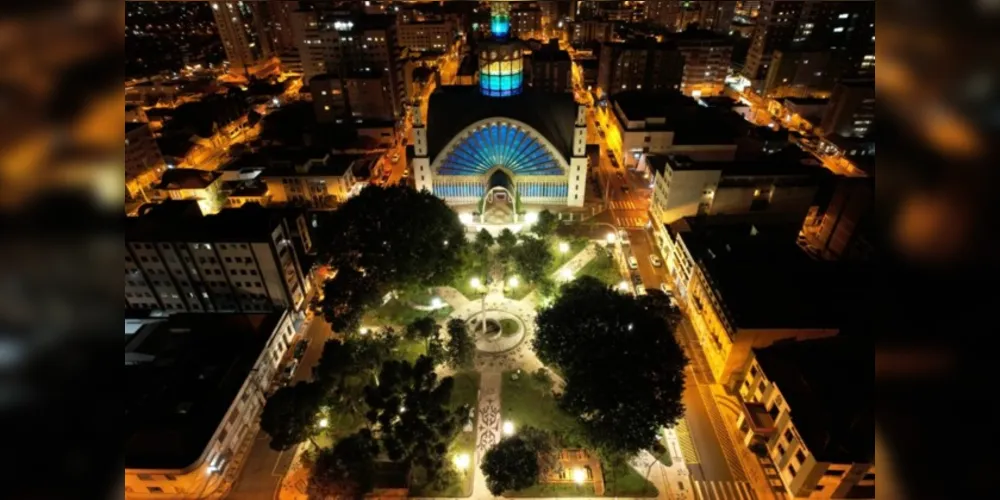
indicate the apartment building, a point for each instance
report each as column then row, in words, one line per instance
column 243, row 29
column 707, row 57
column 526, row 21
column 746, row 284
column 808, row 409
column 192, row 184
column 588, row 31
column 550, row 69
column 436, row 35
column 317, row 178
column 851, row 112
column 683, row 188
column 195, row 386
column 640, row 65
column 665, row 123
column 339, row 43
column 239, row 260
column 143, row 161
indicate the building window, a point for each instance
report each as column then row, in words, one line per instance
column 789, row 436
column 869, row 477
column 781, row 451
column 800, row 456
column 155, row 489
column 145, row 477
column 791, row 470
column 170, row 477
column 834, row 473
column 754, row 371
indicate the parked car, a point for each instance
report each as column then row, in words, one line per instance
column 640, row 289
column 289, row 372
column 632, row 263
column 300, row 348
column 655, row 261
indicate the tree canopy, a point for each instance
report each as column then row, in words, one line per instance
column 290, row 414
column 427, row 330
column 532, row 259
column 623, row 368
column 386, row 239
column 511, row 465
column 461, row 346
column 349, row 465
column 409, row 410
column 547, row 224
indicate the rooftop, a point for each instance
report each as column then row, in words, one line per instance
column 691, row 123
column 133, row 126
column 187, row 178
column 829, row 386
column 179, row 221
column 175, row 401
column 453, row 108
column 764, row 280
column 805, row 101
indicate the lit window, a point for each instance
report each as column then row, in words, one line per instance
column 838, row 29
column 844, row 16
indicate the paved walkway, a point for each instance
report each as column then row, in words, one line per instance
column 574, row 265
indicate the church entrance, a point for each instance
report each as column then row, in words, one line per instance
column 499, row 206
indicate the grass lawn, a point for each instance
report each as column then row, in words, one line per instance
column 528, row 402
column 624, row 481
column 464, row 285
column 554, row 491
column 603, row 268
column 465, row 392
column 410, row 350
column 397, row 313
column 509, row 327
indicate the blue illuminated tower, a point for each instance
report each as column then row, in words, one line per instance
column 501, row 62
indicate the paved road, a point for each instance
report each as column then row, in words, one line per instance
column 265, row 467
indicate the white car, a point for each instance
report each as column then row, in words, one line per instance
column 655, row 261
column 632, row 263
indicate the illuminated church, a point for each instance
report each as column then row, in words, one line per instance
column 497, row 147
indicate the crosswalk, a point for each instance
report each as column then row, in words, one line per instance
column 723, row 490
column 688, row 450
column 625, row 205
column 630, row 222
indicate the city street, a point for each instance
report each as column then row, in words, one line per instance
column 265, row 467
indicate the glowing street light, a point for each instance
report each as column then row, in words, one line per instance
column 466, row 219
column 508, row 428
column 324, row 423
column 436, row 303
column 612, row 238
column 476, row 283
column 567, row 275
column 563, row 247
column 531, row 217
column 462, row 461
column 514, row 282
column 363, row 331
column 623, row 286
column 579, row 476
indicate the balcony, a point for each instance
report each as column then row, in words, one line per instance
column 759, row 419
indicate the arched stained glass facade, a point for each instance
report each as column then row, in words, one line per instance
column 500, row 20
column 500, row 145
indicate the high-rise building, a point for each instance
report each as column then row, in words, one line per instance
column 707, row 56
column 329, row 98
column 436, row 35
column 844, row 31
column 851, row 112
column 368, row 95
column 143, row 160
column 841, row 232
column 278, row 25
column 640, row 65
column 717, row 15
column 240, row 260
column 195, row 386
column 243, row 29
column 587, row 31
column 677, row 15
column 341, row 43
column 526, row 21
column 550, row 69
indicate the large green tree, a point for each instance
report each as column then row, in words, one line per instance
column 290, row 414
column 347, row 469
column 532, row 259
column 547, row 224
column 461, row 346
column 624, row 371
column 511, row 465
column 428, row 331
column 409, row 413
column 386, row 239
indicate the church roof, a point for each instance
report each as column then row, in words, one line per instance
column 453, row 108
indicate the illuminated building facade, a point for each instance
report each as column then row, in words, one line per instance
column 497, row 147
